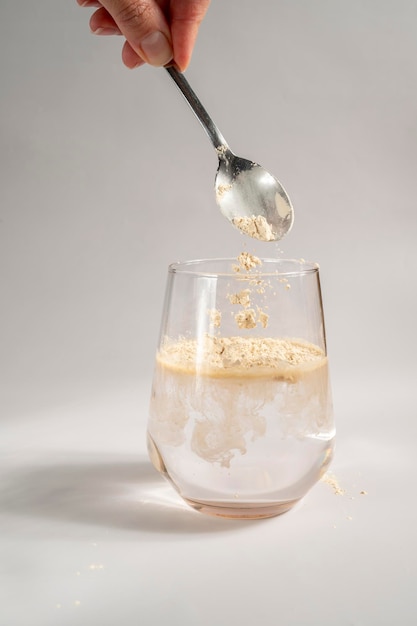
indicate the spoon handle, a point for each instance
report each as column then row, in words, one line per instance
column 204, row 118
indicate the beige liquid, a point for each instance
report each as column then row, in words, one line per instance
column 241, row 423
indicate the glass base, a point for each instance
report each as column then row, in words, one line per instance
column 240, row 510
column 229, row 510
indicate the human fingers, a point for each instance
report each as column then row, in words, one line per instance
column 143, row 24
column 186, row 17
column 89, row 3
column 102, row 23
column 130, row 58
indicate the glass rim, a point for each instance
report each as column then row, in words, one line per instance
column 301, row 267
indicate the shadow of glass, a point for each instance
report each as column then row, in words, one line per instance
column 111, row 493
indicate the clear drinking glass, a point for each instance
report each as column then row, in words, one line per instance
column 241, row 419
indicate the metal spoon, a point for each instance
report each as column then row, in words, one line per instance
column 248, row 196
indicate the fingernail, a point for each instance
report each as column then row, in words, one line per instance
column 106, row 31
column 156, row 48
column 133, row 67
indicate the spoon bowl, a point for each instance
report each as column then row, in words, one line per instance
column 248, row 196
column 252, row 199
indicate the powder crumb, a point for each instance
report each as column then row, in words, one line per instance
column 215, row 317
column 255, row 226
column 260, row 285
column 288, row 286
column 95, row 566
column 247, row 261
column 363, row 493
column 221, row 190
column 242, row 298
column 263, row 318
column 246, row 318
column 332, row 481
column 349, row 517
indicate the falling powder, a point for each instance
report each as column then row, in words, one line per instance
column 242, row 298
column 262, row 317
column 247, row 262
column 215, row 317
column 246, row 318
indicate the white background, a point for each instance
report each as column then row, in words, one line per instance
column 106, row 177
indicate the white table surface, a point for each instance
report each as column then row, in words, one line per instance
column 324, row 95
column 91, row 534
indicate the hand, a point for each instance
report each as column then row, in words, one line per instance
column 156, row 31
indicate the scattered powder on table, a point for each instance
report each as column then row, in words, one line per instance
column 255, row 226
column 332, row 481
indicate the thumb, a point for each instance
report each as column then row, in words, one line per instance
column 145, row 28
